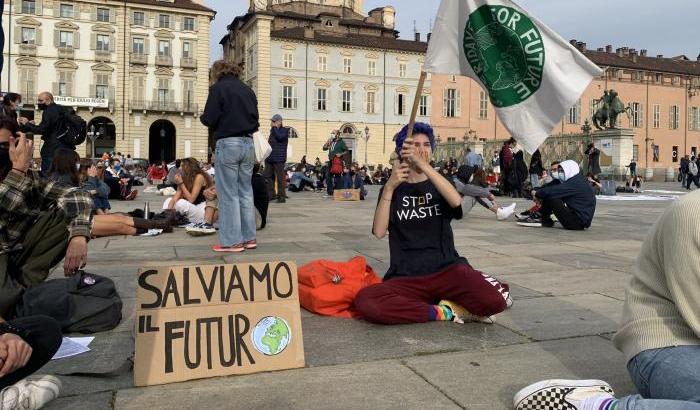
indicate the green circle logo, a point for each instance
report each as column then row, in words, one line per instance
column 505, row 50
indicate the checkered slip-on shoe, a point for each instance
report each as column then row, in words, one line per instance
column 462, row 315
column 560, row 394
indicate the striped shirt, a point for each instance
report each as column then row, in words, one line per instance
column 24, row 197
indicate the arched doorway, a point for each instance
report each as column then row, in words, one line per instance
column 348, row 132
column 102, row 136
column 161, row 141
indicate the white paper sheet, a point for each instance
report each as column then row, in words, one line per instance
column 73, row 346
column 638, row 198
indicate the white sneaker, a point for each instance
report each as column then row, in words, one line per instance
column 504, row 213
column 32, row 393
column 561, row 394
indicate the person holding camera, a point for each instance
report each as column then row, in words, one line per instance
column 337, row 149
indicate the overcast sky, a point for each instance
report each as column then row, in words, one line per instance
column 663, row 27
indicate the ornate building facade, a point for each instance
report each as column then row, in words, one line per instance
column 135, row 70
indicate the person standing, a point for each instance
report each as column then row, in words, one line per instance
column 593, row 160
column 231, row 113
column 684, row 170
column 11, row 103
column 274, row 164
column 505, row 161
column 48, row 129
column 536, row 169
column 633, row 168
column 336, row 150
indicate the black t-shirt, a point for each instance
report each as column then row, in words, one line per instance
column 420, row 236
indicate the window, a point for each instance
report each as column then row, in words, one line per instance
column 322, row 63
column 250, row 63
column 347, row 65
column 638, row 76
column 139, row 18
column 657, row 116
column 452, row 78
column 164, row 48
column 676, row 80
column 574, row 113
column 423, row 106
column 163, row 92
column 402, row 70
column 188, row 94
column 372, row 68
column 29, row 6
column 450, row 103
column 401, row 103
column 321, row 99
column 27, row 78
column 102, row 43
column 163, row 21
column 188, row 24
column 370, row 102
column 138, row 86
column 635, row 152
column 694, row 118
column 65, row 39
column 28, row 35
column 675, row 153
column 659, row 78
column 288, row 60
column 346, row 99
column 483, row 106
column 656, row 152
column 186, row 49
column 289, row 99
column 66, row 11
column 65, row 83
column 102, row 86
column 103, row 15
column 138, row 46
column 591, row 108
column 673, row 117
column 637, row 117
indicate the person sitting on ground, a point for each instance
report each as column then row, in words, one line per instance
column 120, row 182
column 474, row 193
column 65, row 167
column 637, row 184
column 660, row 331
column 170, row 179
column 416, row 207
column 157, row 172
column 299, row 181
column 41, row 221
column 91, row 180
column 572, row 201
column 211, row 215
column 189, row 197
column 595, row 184
column 548, row 179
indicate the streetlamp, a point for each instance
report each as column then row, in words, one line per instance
column 162, row 144
column 366, row 143
column 93, row 136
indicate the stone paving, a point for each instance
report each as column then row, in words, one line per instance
column 568, row 289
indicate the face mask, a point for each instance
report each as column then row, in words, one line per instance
column 19, row 106
column 77, row 166
column 117, row 167
column 562, row 176
column 5, row 158
column 42, row 106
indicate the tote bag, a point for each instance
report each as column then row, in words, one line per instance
column 262, row 147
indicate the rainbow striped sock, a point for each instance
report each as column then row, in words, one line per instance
column 441, row 313
column 608, row 404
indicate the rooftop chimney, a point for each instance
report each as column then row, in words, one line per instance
column 643, row 53
column 659, row 56
column 429, row 35
column 698, row 59
column 601, row 49
column 417, row 36
column 608, row 48
column 619, row 52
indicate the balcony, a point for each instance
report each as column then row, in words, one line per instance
column 103, row 55
column 66, row 52
column 163, row 106
column 166, row 61
column 27, row 49
column 188, row 62
column 138, row 58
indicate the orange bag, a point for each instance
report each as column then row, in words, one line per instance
column 329, row 288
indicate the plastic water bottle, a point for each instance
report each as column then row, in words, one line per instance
column 147, row 211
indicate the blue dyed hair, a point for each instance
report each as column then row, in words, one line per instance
column 418, row 128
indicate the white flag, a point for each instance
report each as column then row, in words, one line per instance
column 531, row 74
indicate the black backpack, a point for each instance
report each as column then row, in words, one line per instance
column 72, row 128
column 85, row 303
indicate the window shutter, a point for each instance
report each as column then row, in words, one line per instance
column 56, row 38
column 146, row 46
column 690, row 118
column 112, row 44
column 18, row 35
column 38, row 37
column 196, row 24
column 56, row 9
column 444, row 102
column 54, row 89
column 76, row 40
column 396, row 103
column 93, row 13
column 18, row 6
column 176, row 23
column 458, row 103
column 112, row 16
column 39, row 7
column 112, row 94
column 670, row 117
column 93, row 41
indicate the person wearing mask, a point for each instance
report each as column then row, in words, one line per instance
column 92, row 181
column 274, row 164
column 337, row 149
column 49, row 129
column 536, row 169
column 231, row 113
column 11, row 104
column 572, row 201
column 548, row 179
column 427, row 279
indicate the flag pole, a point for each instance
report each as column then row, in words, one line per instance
column 416, row 104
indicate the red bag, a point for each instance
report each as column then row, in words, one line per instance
column 329, row 288
column 336, row 166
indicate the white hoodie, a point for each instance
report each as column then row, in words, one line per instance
column 570, row 168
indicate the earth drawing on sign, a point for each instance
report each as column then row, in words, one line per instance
column 271, row 335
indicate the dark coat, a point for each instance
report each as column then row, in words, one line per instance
column 593, row 161
column 231, row 110
column 49, row 129
column 279, row 139
column 577, row 194
column 536, row 166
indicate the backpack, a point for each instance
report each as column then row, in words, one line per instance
column 72, row 128
column 329, row 288
column 693, row 168
column 85, row 303
column 336, row 166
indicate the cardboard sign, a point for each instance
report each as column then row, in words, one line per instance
column 346, row 195
column 195, row 322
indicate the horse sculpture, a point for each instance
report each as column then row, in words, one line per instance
column 606, row 115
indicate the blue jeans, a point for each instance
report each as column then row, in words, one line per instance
column 234, row 172
column 534, row 181
column 668, row 379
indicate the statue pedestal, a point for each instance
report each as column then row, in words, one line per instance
column 618, row 146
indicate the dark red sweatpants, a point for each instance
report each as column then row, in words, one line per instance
column 411, row 300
